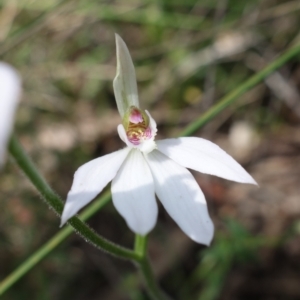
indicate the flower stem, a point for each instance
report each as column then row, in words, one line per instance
column 152, row 287
column 56, row 204
column 140, row 244
column 140, row 248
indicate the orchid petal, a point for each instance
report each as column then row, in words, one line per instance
column 204, row 156
column 125, row 86
column 10, row 92
column 90, row 179
column 133, row 194
column 181, row 196
column 152, row 124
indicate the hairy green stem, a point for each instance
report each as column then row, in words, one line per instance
column 140, row 247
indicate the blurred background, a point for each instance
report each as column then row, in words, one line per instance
column 188, row 54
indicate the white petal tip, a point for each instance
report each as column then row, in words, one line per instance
column 208, row 242
column 62, row 224
column 120, row 42
column 205, row 239
column 141, row 227
column 254, row 183
column 66, row 216
column 117, row 37
column 121, row 45
column 63, row 221
column 249, row 180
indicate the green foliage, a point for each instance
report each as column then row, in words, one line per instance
column 235, row 246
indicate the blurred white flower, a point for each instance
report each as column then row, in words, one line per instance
column 145, row 168
column 10, row 91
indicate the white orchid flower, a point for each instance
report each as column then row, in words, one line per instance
column 147, row 167
column 10, row 91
